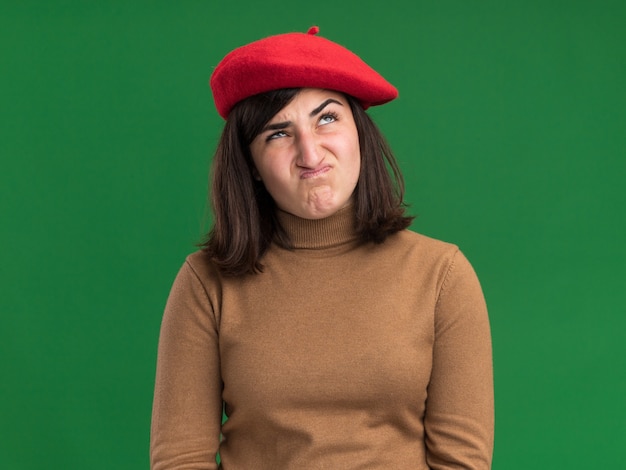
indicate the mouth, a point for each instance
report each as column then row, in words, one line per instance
column 314, row 173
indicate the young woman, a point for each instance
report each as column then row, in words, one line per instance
column 329, row 334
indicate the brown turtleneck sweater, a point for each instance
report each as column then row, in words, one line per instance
column 338, row 356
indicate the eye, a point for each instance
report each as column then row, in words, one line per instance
column 327, row 118
column 275, row 135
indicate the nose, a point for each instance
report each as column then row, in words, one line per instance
column 310, row 153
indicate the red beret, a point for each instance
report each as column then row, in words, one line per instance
column 296, row 60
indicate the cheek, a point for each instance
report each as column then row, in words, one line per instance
column 274, row 176
column 262, row 164
column 355, row 166
column 271, row 172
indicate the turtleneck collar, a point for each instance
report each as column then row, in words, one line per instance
column 331, row 231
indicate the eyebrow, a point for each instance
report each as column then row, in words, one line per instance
column 323, row 105
column 281, row 125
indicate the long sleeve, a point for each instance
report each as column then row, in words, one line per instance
column 459, row 417
column 340, row 354
column 187, row 408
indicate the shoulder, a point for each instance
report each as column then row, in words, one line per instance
column 422, row 247
column 199, row 274
column 208, row 274
column 443, row 260
column 200, row 263
column 411, row 238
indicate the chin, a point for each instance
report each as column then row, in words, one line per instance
column 323, row 213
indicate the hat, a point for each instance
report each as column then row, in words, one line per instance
column 296, row 60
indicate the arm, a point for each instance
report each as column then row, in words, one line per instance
column 187, row 408
column 459, row 409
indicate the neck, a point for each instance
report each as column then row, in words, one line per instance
column 334, row 230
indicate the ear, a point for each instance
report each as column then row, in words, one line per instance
column 255, row 174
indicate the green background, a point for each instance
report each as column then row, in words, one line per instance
column 510, row 129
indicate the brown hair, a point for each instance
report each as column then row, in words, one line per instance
column 245, row 221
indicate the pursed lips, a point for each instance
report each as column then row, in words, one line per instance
column 313, row 173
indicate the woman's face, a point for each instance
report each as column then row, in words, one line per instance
column 308, row 154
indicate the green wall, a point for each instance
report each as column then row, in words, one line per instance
column 510, row 128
